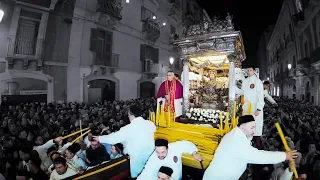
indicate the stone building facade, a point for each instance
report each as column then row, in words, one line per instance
column 89, row 50
column 294, row 51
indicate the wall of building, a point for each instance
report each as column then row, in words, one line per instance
column 298, row 52
column 67, row 63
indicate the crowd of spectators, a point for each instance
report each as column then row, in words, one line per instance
column 32, row 143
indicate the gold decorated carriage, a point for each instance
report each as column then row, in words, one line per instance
column 206, row 49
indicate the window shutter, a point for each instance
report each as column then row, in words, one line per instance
column 155, row 55
column 142, row 52
column 93, row 39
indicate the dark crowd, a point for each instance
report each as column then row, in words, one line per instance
column 32, row 143
column 300, row 124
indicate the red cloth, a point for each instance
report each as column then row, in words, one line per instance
column 162, row 90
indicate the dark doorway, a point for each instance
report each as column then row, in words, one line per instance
column 147, row 89
column 101, row 90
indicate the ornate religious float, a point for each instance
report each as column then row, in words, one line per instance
column 212, row 53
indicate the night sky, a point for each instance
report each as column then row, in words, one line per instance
column 251, row 17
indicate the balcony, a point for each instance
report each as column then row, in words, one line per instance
column 111, row 7
column 151, row 30
column 104, row 59
column 149, row 68
column 26, row 49
column 315, row 55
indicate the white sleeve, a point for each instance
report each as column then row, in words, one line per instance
column 269, row 98
column 116, row 137
column 151, row 169
column 287, row 175
column 64, row 148
column 260, row 92
column 185, row 147
column 240, row 91
column 47, row 145
column 254, row 156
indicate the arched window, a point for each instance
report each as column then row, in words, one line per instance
column 294, row 88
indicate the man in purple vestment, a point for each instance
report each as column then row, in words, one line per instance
column 171, row 93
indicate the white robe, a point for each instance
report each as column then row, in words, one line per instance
column 234, row 153
column 175, row 151
column 138, row 139
column 255, row 97
column 268, row 97
column 287, row 175
column 177, row 105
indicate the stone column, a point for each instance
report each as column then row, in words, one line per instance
column 232, row 83
column 185, row 86
column 41, row 35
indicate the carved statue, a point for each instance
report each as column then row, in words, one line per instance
column 209, row 94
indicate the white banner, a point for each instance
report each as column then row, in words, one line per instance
column 33, row 92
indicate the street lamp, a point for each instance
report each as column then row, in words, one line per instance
column 171, row 60
column 289, row 66
column 1, row 14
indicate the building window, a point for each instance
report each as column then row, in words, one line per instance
column 146, row 14
column 293, row 96
column 149, row 52
column 27, row 33
column 294, row 62
column 101, row 44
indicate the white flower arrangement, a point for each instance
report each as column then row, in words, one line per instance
column 206, row 115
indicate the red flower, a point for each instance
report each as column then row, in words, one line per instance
column 252, row 86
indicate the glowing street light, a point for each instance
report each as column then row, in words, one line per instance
column 127, row 1
column 289, row 66
column 171, row 60
column 1, row 14
column 164, row 24
column 154, row 17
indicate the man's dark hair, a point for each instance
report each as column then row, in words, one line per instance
column 161, row 142
column 60, row 160
column 250, row 66
column 36, row 161
column 135, row 111
column 177, row 76
column 266, row 83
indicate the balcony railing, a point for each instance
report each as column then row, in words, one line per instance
column 111, row 7
column 25, row 48
column 148, row 67
column 152, row 30
column 106, row 59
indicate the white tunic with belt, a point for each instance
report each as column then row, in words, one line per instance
column 234, row 153
column 172, row 160
column 252, row 90
column 138, row 139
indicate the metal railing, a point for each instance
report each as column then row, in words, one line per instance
column 106, row 59
column 111, row 7
column 25, row 47
column 149, row 67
